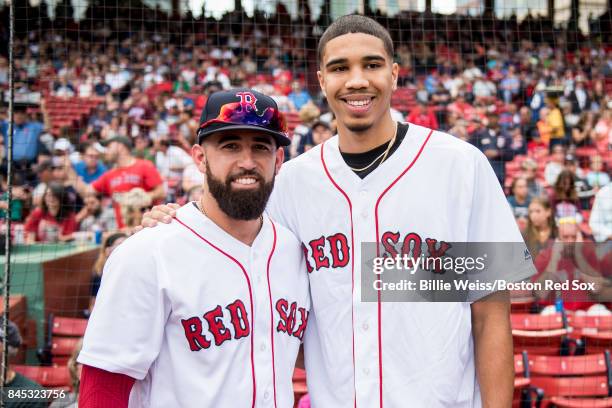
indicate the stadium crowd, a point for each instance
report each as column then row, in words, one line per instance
column 115, row 105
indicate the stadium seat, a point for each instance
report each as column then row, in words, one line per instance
column 299, row 374
column 299, row 384
column 68, row 326
column 62, row 336
column 597, row 342
column 563, row 379
column 591, row 323
column 522, row 305
column 525, row 395
column 527, row 321
column 53, row 377
column 547, row 342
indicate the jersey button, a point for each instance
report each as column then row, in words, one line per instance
column 365, row 326
column 266, row 395
column 262, row 347
column 366, row 371
column 364, row 214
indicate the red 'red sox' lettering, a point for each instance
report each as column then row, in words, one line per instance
column 198, row 340
column 288, row 318
column 336, row 245
column 333, row 251
column 412, row 246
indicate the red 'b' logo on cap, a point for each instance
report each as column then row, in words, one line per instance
column 247, row 101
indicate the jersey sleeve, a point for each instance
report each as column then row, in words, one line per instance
column 125, row 331
column 492, row 223
column 99, row 388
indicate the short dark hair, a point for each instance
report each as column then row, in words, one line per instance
column 355, row 23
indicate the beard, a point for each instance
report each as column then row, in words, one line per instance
column 239, row 204
column 359, row 128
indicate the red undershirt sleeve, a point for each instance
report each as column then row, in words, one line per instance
column 102, row 389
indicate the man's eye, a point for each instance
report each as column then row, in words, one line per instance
column 230, row 146
column 339, row 69
column 373, row 65
column 262, row 147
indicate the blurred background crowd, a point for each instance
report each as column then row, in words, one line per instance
column 115, row 94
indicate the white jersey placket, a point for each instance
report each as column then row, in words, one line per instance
column 259, row 255
column 364, row 195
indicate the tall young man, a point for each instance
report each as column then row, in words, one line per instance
column 395, row 184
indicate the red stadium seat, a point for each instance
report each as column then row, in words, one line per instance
column 526, row 321
column 62, row 336
column 299, row 384
column 547, row 342
column 63, row 346
column 567, row 365
column 69, row 326
column 45, row 376
column 597, row 323
column 299, row 374
column 562, row 402
column 564, row 378
column 525, row 395
column 596, row 386
column 522, row 305
column 597, row 342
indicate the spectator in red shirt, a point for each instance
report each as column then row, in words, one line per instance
column 570, row 258
column 130, row 175
column 423, row 116
column 54, row 220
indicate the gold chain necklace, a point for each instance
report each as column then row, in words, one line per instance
column 383, row 154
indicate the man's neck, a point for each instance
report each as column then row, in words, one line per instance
column 124, row 161
column 359, row 142
column 243, row 231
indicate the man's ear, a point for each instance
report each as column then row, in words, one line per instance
column 280, row 158
column 395, row 74
column 199, row 157
column 321, row 79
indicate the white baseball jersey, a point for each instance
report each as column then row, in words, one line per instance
column 434, row 187
column 199, row 318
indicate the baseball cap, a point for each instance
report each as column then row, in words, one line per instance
column 124, row 140
column 63, row 145
column 321, row 123
column 13, row 338
column 243, row 109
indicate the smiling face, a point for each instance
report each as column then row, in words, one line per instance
column 358, row 76
column 538, row 214
column 240, row 168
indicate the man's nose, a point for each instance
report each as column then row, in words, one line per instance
column 357, row 79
